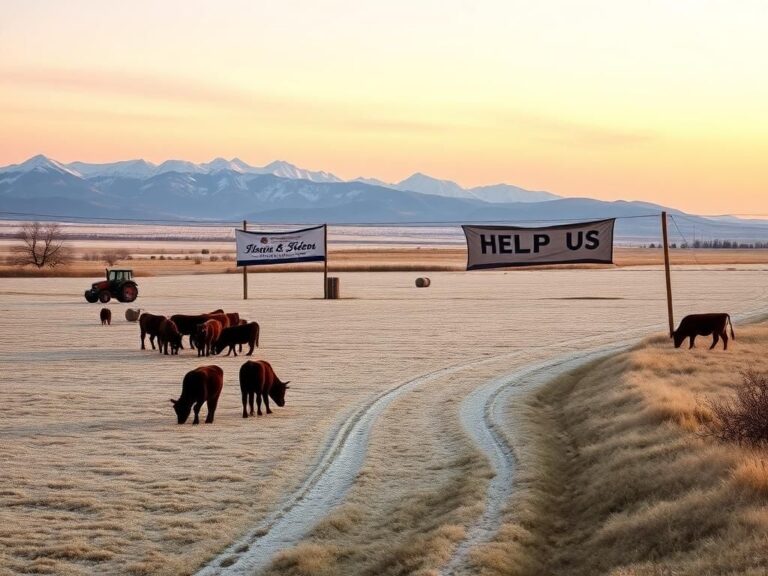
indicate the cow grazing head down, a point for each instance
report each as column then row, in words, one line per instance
column 277, row 392
column 182, row 410
column 678, row 338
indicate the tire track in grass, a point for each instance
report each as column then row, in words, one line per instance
column 324, row 488
column 480, row 414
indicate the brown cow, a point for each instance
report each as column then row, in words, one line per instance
column 243, row 334
column 259, row 378
column 168, row 334
column 149, row 324
column 200, row 385
column 106, row 316
column 206, row 336
column 704, row 325
column 187, row 323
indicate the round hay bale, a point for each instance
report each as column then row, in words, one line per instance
column 422, row 282
column 132, row 314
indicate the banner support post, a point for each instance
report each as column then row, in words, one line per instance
column 245, row 270
column 325, row 262
column 667, row 274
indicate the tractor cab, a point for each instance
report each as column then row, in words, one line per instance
column 119, row 275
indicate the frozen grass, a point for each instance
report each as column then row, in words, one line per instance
column 615, row 478
column 97, row 478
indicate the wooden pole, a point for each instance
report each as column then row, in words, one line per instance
column 245, row 270
column 666, row 272
column 325, row 268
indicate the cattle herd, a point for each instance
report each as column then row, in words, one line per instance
column 211, row 333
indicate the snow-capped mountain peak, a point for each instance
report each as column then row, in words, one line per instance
column 40, row 163
column 183, row 166
column 285, row 169
column 424, row 184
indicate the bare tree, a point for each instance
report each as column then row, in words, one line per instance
column 113, row 256
column 41, row 245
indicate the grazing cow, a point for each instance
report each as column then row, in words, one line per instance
column 149, row 324
column 106, row 316
column 704, row 325
column 200, row 385
column 258, row 378
column 243, row 334
column 206, row 336
column 187, row 323
column 168, row 334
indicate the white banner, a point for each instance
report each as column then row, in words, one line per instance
column 254, row 248
column 502, row 246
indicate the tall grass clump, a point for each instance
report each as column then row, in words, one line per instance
column 742, row 419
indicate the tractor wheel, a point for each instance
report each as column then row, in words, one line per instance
column 104, row 296
column 91, row 297
column 128, row 293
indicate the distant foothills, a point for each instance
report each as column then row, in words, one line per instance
column 283, row 193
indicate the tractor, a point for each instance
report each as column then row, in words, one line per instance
column 119, row 284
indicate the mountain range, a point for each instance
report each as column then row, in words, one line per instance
column 283, row 193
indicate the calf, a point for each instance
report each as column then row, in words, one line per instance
column 168, row 334
column 258, row 378
column 704, row 325
column 149, row 324
column 243, row 334
column 200, row 385
column 206, row 336
column 106, row 316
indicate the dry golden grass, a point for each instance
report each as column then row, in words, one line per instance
column 615, row 478
column 170, row 258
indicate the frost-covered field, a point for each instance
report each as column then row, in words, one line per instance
column 97, row 478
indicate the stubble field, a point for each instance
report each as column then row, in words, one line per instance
column 96, row 476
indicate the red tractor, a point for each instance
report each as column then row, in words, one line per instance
column 119, row 284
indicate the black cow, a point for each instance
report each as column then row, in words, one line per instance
column 704, row 325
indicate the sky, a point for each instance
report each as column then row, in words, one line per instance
column 655, row 100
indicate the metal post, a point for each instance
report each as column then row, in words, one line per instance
column 245, row 270
column 666, row 272
column 325, row 268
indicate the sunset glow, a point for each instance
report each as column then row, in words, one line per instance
column 643, row 100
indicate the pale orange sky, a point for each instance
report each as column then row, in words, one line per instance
column 649, row 100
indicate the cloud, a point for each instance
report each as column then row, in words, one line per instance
column 216, row 96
